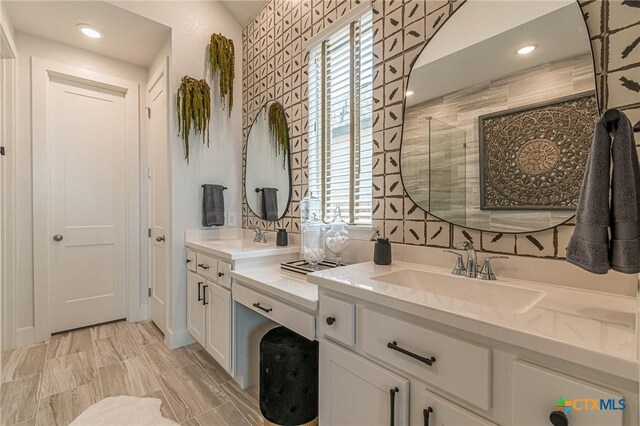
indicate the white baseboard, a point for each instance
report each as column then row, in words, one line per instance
column 25, row 336
column 176, row 339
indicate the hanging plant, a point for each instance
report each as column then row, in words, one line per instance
column 222, row 62
column 278, row 130
column 194, row 106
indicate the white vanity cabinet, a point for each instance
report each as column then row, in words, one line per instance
column 449, row 377
column 209, row 305
column 356, row 391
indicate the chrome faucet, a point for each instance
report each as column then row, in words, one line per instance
column 486, row 273
column 259, row 237
column 472, row 259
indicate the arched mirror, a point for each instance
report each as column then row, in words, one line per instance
column 267, row 179
column 499, row 116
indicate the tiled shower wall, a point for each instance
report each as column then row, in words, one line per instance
column 275, row 67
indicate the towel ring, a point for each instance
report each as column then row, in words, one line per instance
column 260, row 189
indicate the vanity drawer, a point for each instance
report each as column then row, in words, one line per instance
column 536, row 391
column 207, row 266
column 191, row 260
column 292, row 318
column 440, row 411
column 224, row 274
column 337, row 320
column 460, row 368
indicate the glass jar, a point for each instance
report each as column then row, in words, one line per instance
column 338, row 237
column 309, row 206
column 313, row 240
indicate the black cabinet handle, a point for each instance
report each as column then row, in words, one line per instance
column 204, row 295
column 427, row 413
column 558, row 418
column 394, row 346
column 203, row 266
column 262, row 308
column 220, row 274
column 200, row 291
column 331, row 320
column 392, row 408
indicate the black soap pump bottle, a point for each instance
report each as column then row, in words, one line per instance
column 382, row 251
column 282, row 238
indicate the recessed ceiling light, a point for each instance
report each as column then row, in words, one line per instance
column 525, row 50
column 409, row 92
column 89, row 31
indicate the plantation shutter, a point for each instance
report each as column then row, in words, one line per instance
column 340, row 117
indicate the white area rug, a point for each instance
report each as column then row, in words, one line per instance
column 123, row 410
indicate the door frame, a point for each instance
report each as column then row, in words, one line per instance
column 161, row 71
column 41, row 72
column 8, row 136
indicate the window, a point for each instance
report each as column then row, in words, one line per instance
column 340, row 122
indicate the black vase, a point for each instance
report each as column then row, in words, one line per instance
column 282, row 238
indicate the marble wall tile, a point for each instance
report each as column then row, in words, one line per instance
column 540, row 244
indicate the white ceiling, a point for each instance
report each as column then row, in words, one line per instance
column 244, row 10
column 126, row 36
column 448, row 65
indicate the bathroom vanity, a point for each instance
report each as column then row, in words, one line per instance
column 413, row 344
column 210, row 259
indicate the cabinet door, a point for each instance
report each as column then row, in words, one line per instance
column 537, row 392
column 224, row 274
column 355, row 391
column 428, row 409
column 218, row 304
column 195, row 307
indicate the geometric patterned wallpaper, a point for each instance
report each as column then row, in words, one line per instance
column 275, row 68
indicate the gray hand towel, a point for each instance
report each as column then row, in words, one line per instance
column 624, row 251
column 589, row 247
column 213, row 205
column 270, row 203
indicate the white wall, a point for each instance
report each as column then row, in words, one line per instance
column 192, row 24
column 29, row 46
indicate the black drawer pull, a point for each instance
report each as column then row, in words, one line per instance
column 203, row 266
column 426, row 413
column 392, row 408
column 331, row 320
column 262, row 308
column 558, row 418
column 204, row 295
column 200, row 291
column 220, row 274
column 394, row 346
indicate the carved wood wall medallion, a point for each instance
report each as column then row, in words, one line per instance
column 534, row 158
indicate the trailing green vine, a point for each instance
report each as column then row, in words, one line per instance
column 194, row 106
column 222, row 62
column 278, row 130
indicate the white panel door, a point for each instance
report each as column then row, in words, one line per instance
column 158, row 189
column 219, row 324
column 88, row 217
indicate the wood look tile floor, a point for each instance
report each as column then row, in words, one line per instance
column 52, row 383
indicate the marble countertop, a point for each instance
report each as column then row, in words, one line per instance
column 270, row 279
column 586, row 327
column 235, row 249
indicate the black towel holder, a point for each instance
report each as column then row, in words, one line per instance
column 224, row 188
column 260, row 189
column 611, row 117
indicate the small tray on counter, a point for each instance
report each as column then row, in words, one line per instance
column 303, row 267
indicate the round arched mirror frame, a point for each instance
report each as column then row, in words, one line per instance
column 246, row 162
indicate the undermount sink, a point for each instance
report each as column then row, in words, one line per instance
column 238, row 244
column 496, row 294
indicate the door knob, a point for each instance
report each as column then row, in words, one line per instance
column 160, row 238
column 57, row 237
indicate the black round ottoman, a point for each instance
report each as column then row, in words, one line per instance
column 288, row 377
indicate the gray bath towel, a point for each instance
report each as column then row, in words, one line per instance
column 270, row 203
column 609, row 205
column 213, row 205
